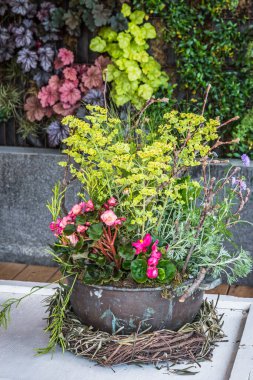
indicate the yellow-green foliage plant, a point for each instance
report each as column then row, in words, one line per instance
column 134, row 74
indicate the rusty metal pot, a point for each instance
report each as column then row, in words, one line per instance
column 109, row 309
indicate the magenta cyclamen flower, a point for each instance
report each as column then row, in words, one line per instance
column 152, row 272
column 142, row 244
column 245, row 160
column 55, row 227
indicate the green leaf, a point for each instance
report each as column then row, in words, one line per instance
column 98, row 44
column 161, row 274
column 92, row 274
column 138, row 270
column 80, row 219
column 137, row 17
column 69, row 229
column 126, row 265
column 125, row 10
column 99, row 259
column 169, row 271
column 95, row 231
column 126, row 252
column 79, row 244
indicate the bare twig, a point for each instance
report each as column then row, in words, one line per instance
column 205, row 100
column 195, row 285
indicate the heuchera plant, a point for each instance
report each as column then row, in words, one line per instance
column 134, row 74
column 147, row 220
column 64, row 91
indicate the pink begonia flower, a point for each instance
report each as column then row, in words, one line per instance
column 76, row 209
column 81, row 229
column 119, row 221
column 73, row 239
column 48, row 96
column 55, row 227
column 153, row 261
column 112, row 202
column 156, row 254
column 87, row 206
column 70, row 73
column 152, row 272
column 69, row 93
column 108, row 217
column 54, row 82
column 142, row 244
column 66, row 220
column 66, row 56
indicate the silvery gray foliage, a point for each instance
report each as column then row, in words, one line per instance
column 28, row 59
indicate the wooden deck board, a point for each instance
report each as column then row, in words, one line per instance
column 39, row 273
column 8, row 271
column 36, row 273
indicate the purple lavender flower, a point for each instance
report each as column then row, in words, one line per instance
column 245, row 160
column 46, row 57
column 28, row 59
column 240, row 183
column 19, row 7
column 94, row 97
column 56, row 133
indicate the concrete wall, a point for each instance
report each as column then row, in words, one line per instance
column 27, row 176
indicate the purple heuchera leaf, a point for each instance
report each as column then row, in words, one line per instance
column 94, row 97
column 46, row 57
column 28, row 59
column 24, row 37
column 56, row 133
column 3, row 7
column 6, row 52
column 245, row 160
column 41, row 78
column 19, row 7
column 4, row 36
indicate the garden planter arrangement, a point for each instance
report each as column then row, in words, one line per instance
column 144, row 234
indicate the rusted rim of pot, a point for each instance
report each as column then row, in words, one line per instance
column 207, row 285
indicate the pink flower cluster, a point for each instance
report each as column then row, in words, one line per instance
column 141, row 246
column 78, row 209
column 109, row 217
column 64, row 91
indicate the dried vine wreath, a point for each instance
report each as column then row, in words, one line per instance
column 193, row 342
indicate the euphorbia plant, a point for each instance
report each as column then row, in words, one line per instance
column 174, row 227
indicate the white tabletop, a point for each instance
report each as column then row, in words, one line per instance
column 232, row 360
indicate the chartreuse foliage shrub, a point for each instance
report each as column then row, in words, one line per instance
column 134, row 74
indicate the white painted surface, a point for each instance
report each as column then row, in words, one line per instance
column 25, row 333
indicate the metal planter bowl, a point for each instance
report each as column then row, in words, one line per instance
column 109, row 309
